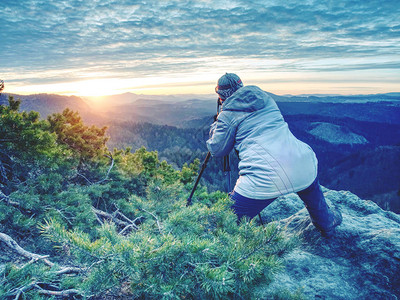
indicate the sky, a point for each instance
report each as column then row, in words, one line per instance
column 93, row 48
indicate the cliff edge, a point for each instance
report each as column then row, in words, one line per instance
column 362, row 261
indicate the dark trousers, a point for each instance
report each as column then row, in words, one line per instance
column 312, row 197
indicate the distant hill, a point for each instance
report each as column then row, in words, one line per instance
column 130, row 98
column 382, row 112
column 388, row 97
column 169, row 111
column 158, row 111
column 47, row 104
column 336, row 134
column 180, row 110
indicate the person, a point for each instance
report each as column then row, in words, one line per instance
column 272, row 161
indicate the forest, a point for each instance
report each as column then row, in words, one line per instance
column 368, row 168
column 81, row 221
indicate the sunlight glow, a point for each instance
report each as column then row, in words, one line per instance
column 276, row 76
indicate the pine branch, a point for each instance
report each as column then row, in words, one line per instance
column 256, row 249
column 6, row 200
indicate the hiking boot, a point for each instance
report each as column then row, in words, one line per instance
column 337, row 220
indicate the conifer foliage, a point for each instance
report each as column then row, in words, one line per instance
column 79, row 221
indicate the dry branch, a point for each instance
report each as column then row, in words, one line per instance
column 7, row 200
column 10, row 242
column 109, row 169
column 105, row 178
column 36, row 285
column 113, row 217
column 106, row 215
column 21, row 251
column 65, row 293
column 157, row 221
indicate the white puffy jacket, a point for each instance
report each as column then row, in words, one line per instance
column 273, row 161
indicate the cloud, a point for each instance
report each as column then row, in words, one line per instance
column 159, row 36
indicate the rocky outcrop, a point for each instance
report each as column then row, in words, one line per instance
column 362, row 261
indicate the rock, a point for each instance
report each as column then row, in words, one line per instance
column 362, row 260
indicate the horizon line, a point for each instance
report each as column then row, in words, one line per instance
column 198, row 94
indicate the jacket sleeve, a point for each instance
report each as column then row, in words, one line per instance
column 222, row 137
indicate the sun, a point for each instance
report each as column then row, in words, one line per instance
column 98, row 87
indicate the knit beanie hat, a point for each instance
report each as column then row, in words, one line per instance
column 227, row 85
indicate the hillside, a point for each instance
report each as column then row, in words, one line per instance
column 380, row 112
column 359, row 173
column 47, row 104
column 158, row 111
column 336, row 134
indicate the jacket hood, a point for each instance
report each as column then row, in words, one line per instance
column 249, row 98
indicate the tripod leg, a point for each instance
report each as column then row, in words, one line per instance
column 203, row 167
column 227, row 170
column 262, row 223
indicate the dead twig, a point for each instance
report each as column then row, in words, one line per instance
column 126, row 223
column 109, row 169
column 107, row 174
column 19, row 291
column 107, row 215
column 65, row 293
column 127, row 227
column 7, row 200
column 157, row 221
column 36, row 285
column 70, row 270
column 84, row 177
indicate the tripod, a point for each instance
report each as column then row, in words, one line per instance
column 227, row 171
column 204, row 165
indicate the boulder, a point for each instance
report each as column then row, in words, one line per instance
column 361, row 261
